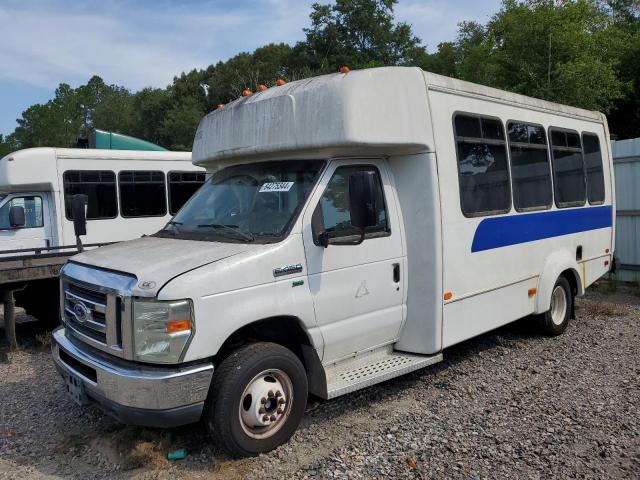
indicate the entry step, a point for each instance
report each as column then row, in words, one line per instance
column 375, row 367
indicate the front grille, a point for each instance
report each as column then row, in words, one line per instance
column 96, row 308
column 85, row 310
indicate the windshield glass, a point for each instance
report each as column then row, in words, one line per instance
column 254, row 202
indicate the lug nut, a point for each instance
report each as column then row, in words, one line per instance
column 278, row 393
column 263, row 400
column 262, row 410
column 265, row 418
column 280, row 410
column 281, row 401
column 270, row 394
column 273, row 418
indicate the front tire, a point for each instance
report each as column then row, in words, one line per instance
column 554, row 322
column 257, row 399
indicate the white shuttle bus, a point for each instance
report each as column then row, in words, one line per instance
column 129, row 193
column 355, row 226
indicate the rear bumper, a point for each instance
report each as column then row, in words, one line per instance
column 133, row 393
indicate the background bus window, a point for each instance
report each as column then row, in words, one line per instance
column 142, row 194
column 568, row 168
column 530, row 169
column 483, row 172
column 100, row 188
column 593, row 166
column 32, row 212
column 182, row 185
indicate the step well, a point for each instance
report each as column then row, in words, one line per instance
column 372, row 368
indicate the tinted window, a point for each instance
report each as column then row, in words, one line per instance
column 182, row 185
column 482, row 166
column 568, row 169
column 100, row 188
column 530, row 171
column 32, row 212
column 593, row 165
column 142, row 194
column 334, row 205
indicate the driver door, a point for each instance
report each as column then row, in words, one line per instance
column 36, row 230
column 358, row 290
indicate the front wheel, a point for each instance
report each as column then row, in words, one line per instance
column 257, row 399
column 554, row 322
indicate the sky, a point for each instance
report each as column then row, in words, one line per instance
column 139, row 43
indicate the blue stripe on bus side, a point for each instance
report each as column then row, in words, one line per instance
column 496, row 232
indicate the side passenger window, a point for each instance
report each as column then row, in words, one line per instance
column 334, row 205
column 530, row 171
column 568, row 169
column 483, row 173
column 142, row 194
column 100, row 188
column 593, row 165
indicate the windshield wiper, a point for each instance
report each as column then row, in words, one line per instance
column 231, row 229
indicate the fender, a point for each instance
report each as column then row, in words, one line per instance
column 555, row 264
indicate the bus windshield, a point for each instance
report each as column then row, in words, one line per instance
column 253, row 202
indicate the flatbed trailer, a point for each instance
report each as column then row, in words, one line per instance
column 23, row 267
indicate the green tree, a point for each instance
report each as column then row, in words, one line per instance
column 6, row 146
column 358, row 33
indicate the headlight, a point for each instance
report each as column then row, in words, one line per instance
column 161, row 330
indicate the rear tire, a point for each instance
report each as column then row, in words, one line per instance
column 554, row 322
column 257, row 399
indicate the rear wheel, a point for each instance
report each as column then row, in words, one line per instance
column 257, row 399
column 554, row 322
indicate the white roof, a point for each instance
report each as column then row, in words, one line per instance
column 379, row 110
column 36, row 168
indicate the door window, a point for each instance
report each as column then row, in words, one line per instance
column 32, row 212
column 334, row 205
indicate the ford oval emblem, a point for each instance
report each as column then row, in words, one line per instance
column 81, row 312
column 147, row 285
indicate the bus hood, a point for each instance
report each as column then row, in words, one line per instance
column 155, row 261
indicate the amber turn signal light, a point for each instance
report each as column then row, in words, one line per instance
column 176, row 326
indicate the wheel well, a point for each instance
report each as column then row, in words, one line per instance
column 285, row 331
column 288, row 332
column 573, row 279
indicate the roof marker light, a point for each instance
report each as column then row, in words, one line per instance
column 344, row 69
column 219, row 106
column 246, row 92
column 261, row 88
column 280, row 82
column 447, row 295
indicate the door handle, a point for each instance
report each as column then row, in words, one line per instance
column 396, row 273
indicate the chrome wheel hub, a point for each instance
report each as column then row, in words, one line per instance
column 266, row 403
column 558, row 305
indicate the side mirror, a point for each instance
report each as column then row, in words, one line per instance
column 79, row 214
column 16, row 216
column 362, row 200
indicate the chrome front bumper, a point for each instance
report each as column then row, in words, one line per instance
column 134, row 393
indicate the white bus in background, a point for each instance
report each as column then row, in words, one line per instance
column 130, row 194
column 354, row 227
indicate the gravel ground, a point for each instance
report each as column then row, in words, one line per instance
column 508, row 404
